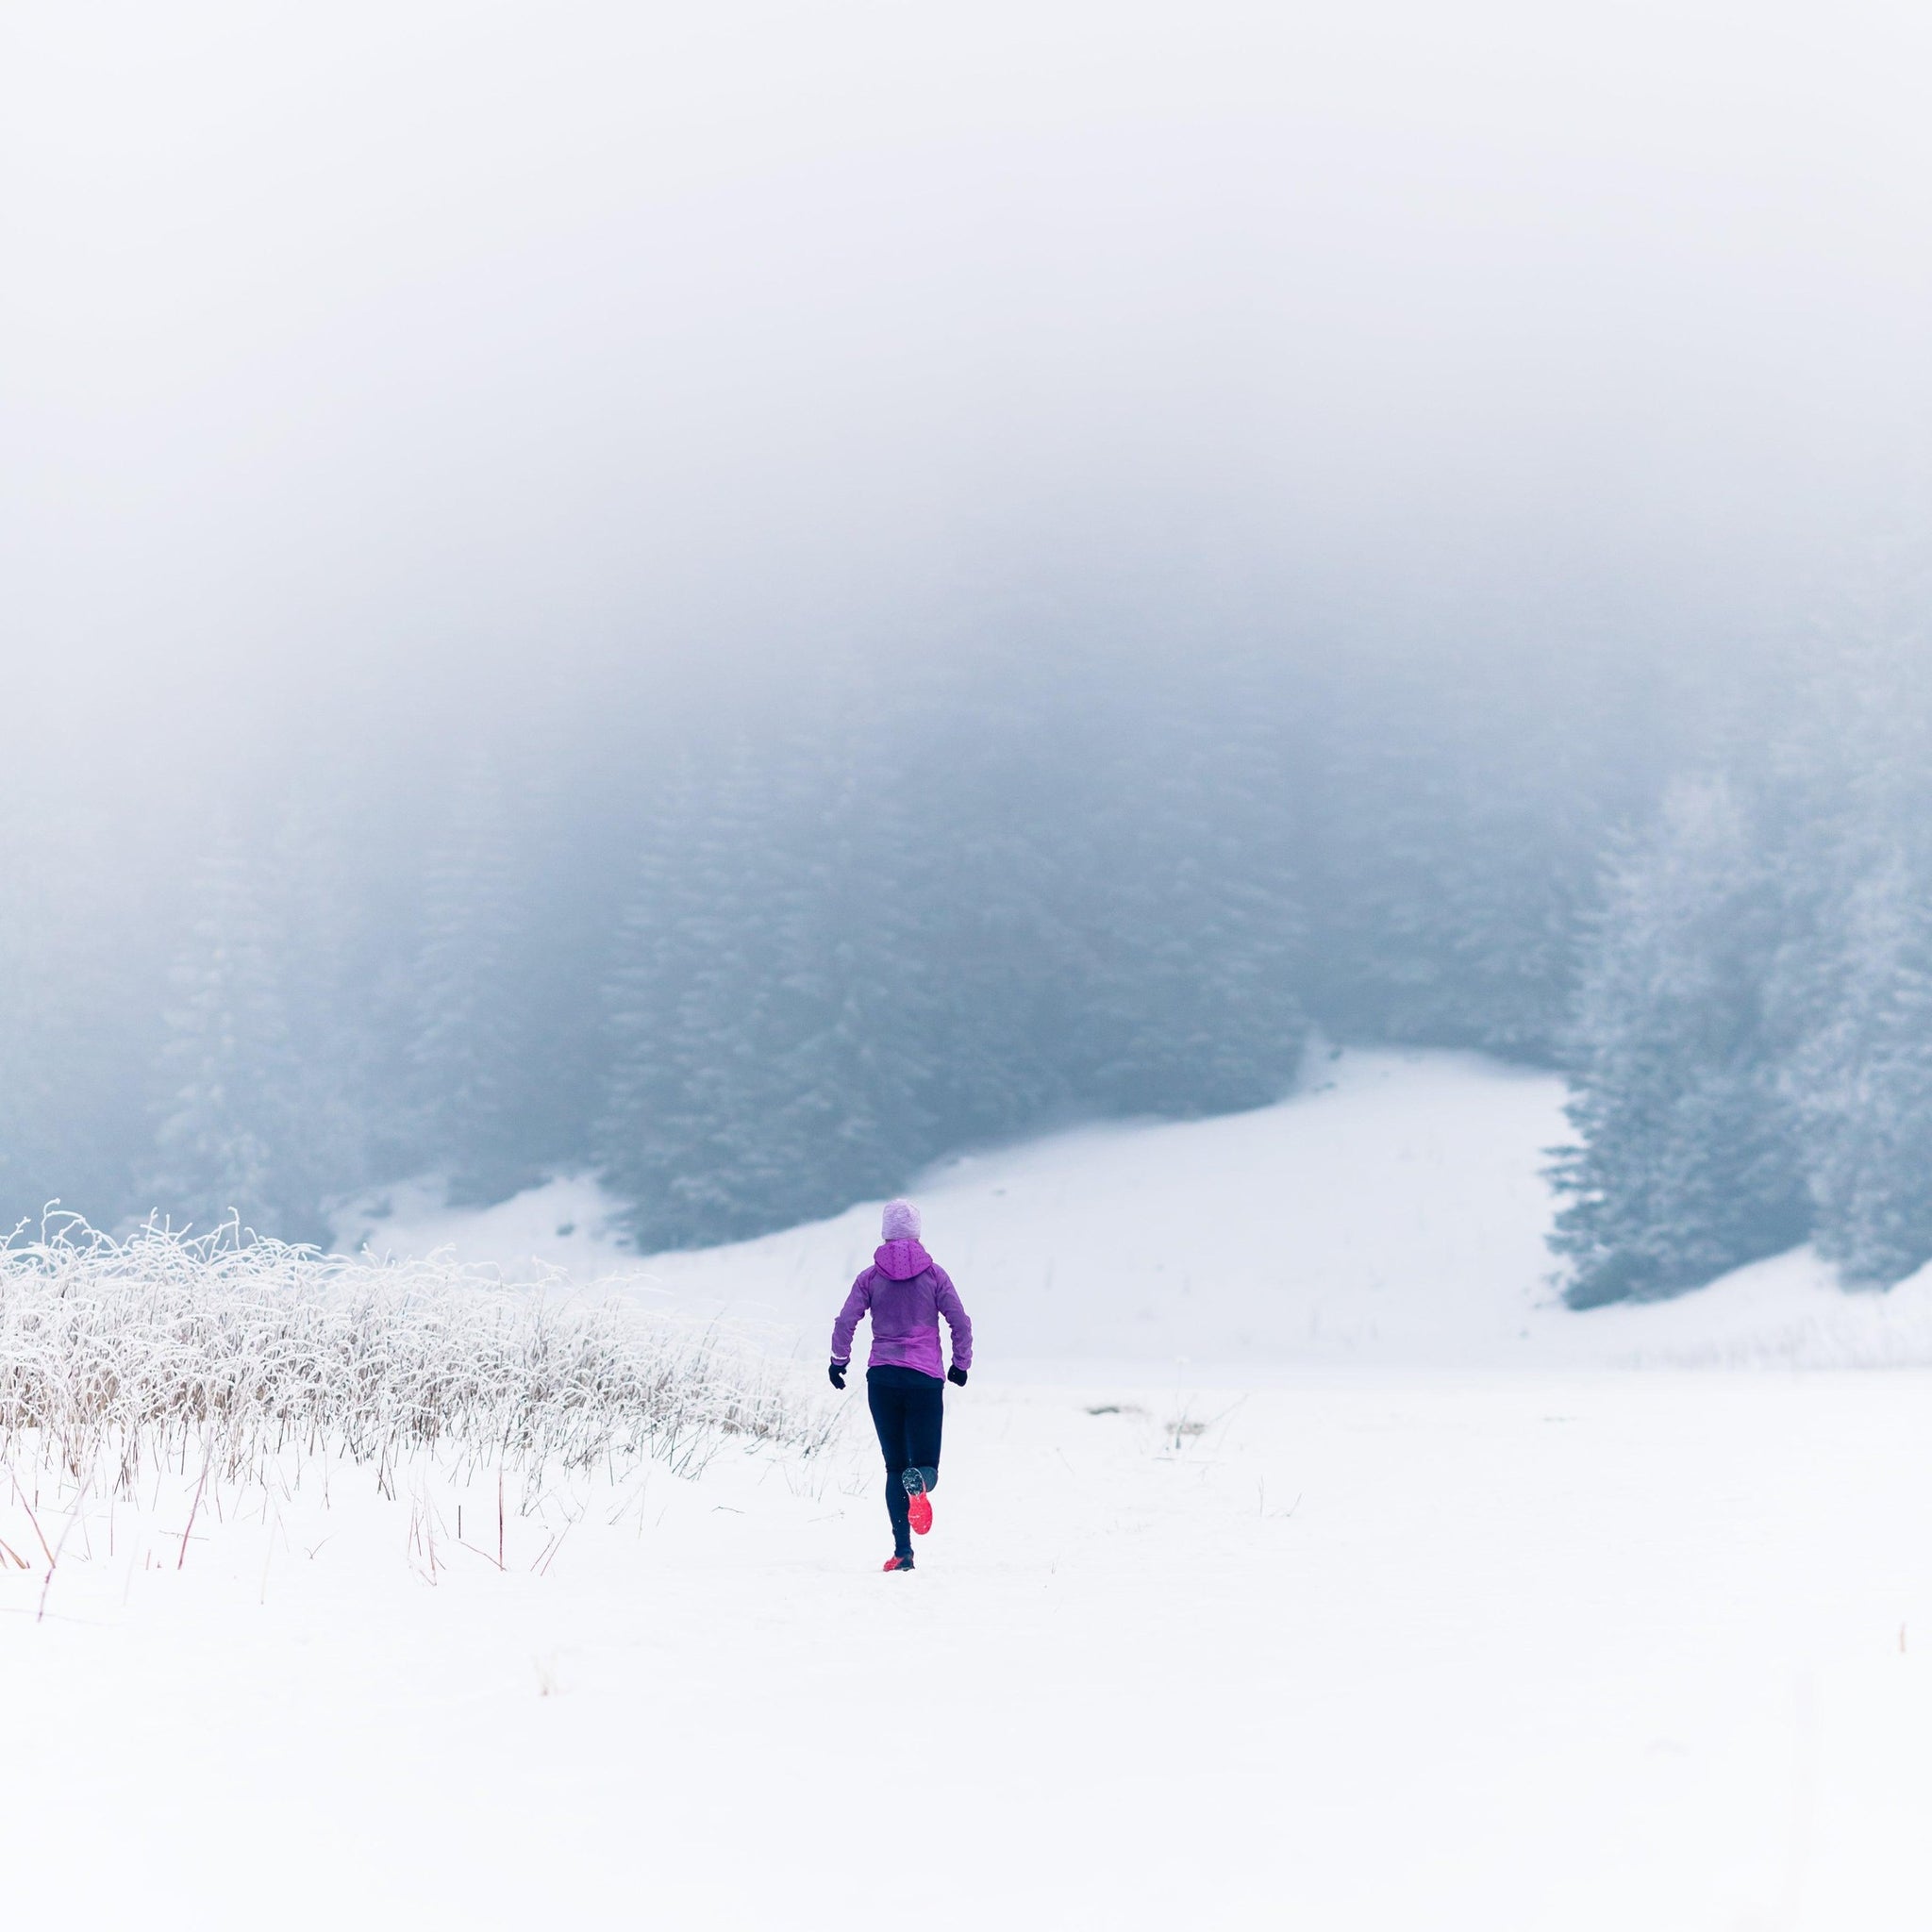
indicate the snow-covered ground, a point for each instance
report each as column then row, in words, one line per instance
column 1484, row 1651
column 1300, row 1562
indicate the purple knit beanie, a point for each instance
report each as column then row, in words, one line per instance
column 901, row 1222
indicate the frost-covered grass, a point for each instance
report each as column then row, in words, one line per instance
column 226, row 1353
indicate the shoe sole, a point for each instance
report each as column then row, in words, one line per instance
column 918, row 1510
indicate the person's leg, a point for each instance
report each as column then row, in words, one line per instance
column 888, row 1417
column 925, row 1415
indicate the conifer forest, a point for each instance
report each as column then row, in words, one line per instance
column 750, row 962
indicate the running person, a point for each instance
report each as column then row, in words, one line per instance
column 906, row 1291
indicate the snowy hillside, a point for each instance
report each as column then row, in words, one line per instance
column 1394, row 1208
column 1392, row 1213
column 1396, row 1211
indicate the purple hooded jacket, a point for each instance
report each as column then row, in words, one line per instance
column 907, row 1291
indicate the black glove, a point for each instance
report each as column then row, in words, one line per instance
column 956, row 1376
column 837, row 1372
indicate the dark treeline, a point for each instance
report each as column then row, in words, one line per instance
column 752, row 961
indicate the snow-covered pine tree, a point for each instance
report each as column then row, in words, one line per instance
column 229, row 1090
column 575, row 869
column 1852, row 986
column 1456, row 827
column 1860, row 1083
column 1685, row 1164
column 1188, row 913
column 631, row 1141
column 469, row 1034
column 627, row 1139
column 689, row 1082
column 84, row 949
column 853, row 1018
column 338, row 1138
column 970, row 895
column 26, row 1092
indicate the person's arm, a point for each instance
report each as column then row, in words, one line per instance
column 954, row 1310
column 856, row 1303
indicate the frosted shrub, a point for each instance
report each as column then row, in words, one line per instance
column 222, row 1351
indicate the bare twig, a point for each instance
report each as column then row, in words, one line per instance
column 21, row 1494
column 193, row 1507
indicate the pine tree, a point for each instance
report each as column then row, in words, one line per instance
column 688, row 1087
column 336, row 1138
column 1457, row 826
column 466, row 1051
column 27, row 1094
column 630, row 1141
column 1686, row 1164
column 230, row 1092
column 1861, row 1084
column 852, row 1021
column 1189, row 904
column 81, row 1000
column 1850, row 986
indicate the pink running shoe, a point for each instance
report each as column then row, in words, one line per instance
column 897, row 1563
column 917, row 1504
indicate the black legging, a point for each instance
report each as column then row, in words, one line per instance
column 907, row 1410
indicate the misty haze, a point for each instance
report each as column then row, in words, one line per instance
column 1259, row 680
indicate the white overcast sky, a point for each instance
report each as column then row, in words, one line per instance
column 354, row 334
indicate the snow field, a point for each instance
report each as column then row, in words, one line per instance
column 1395, row 1650
column 1390, row 1606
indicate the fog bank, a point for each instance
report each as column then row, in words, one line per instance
column 429, row 347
